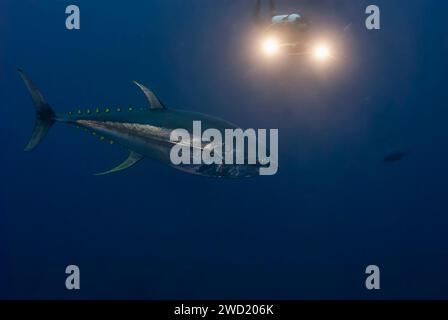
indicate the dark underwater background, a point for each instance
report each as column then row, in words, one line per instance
column 152, row 232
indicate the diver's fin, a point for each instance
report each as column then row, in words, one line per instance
column 154, row 102
column 133, row 158
column 45, row 116
column 257, row 17
column 272, row 8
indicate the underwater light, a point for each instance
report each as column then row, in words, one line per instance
column 270, row 46
column 322, row 52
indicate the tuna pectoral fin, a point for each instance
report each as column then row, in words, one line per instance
column 133, row 158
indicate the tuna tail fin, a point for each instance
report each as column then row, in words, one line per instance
column 45, row 116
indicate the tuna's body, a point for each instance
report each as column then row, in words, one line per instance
column 142, row 130
column 145, row 132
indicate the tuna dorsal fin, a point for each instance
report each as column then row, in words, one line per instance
column 154, row 102
column 133, row 158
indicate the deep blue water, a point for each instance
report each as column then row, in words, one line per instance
column 153, row 232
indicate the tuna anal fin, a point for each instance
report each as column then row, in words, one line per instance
column 133, row 158
column 154, row 102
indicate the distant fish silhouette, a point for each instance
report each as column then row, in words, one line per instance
column 395, row 157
